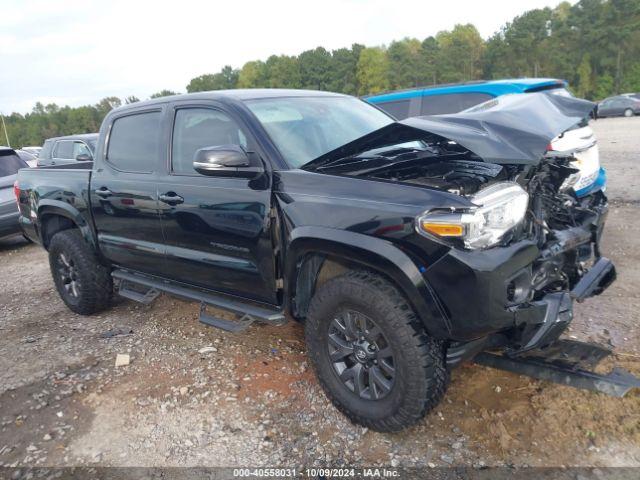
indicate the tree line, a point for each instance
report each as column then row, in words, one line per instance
column 594, row 44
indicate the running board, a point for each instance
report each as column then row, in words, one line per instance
column 566, row 363
column 247, row 311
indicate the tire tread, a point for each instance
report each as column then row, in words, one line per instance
column 429, row 375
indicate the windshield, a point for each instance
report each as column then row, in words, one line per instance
column 303, row 128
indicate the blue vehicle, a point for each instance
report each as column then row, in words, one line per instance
column 579, row 141
column 455, row 97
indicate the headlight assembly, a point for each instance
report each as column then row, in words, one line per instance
column 499, row 208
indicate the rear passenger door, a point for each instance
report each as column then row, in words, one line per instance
column 217, row 230
column 124, row 197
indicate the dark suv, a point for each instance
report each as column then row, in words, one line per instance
column 10, row 163
column 69, row 149
column 404, row 247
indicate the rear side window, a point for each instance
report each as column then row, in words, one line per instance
column 134, row 142
column 10, row 163
column 64, row 149
column 398, row 109
column 451, row 103
column 45, row 154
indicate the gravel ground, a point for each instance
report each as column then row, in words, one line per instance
column 193, row 395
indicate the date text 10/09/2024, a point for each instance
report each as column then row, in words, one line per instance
column 316, row 473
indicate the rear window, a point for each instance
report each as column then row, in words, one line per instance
column 134, row 142
column 10, row 163
column 451, row 102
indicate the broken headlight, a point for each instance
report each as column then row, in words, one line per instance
column 499, row 208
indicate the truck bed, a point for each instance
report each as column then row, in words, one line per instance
column 59, row 188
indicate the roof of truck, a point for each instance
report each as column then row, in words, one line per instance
column 80, row 136
column 240, row 94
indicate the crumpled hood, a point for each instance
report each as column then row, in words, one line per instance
column 511, row 129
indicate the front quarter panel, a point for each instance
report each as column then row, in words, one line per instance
column 369, row 222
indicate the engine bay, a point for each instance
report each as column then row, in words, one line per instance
column 565, row 228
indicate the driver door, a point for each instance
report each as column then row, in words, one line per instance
column 217, row 230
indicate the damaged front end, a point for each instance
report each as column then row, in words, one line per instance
column 525, row 247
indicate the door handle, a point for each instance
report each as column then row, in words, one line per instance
column 170, row 198
column 103, row 192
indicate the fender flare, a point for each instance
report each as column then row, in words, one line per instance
column 47, row 207
column 375, row 254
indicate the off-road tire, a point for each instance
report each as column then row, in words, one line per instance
column 94, row 284
column 421, row 376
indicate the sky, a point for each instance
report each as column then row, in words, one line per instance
column 75, row 52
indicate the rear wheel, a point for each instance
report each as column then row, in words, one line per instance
column 371, row 353
column 628, row 112
column 82, row 282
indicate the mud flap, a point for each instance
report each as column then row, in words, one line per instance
column 566, row 362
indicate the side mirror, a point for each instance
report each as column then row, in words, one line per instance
column 84, row 157
column 227, row 161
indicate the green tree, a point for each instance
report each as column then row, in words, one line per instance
column 584, row 87
column 344, row 65
column 282, row 72
column 252, row 75
column 406, row 64
column 315, row 69
column 225, row 79
column 460, row 54
column 163, row 93
column 430, row 55
column 373, row 71
column 631, row 82
column 604, row 86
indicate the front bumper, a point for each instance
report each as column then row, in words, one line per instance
column 518, row 288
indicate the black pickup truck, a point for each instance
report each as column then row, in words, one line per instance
column 404, row 247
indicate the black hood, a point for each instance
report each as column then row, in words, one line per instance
column 512, row 129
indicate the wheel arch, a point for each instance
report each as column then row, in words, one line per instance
column 316, row 254
column 54, row 217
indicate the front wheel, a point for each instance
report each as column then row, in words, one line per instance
column 628, row 112
column 82, row 282
column 371, row 353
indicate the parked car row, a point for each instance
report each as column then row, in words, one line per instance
column 626, row 105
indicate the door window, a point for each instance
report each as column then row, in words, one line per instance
column 134, row 142
column 80, row 148
column 64, row 150
column 197, row 128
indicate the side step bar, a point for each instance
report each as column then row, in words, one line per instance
column 152, row 287
column 566, row 363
